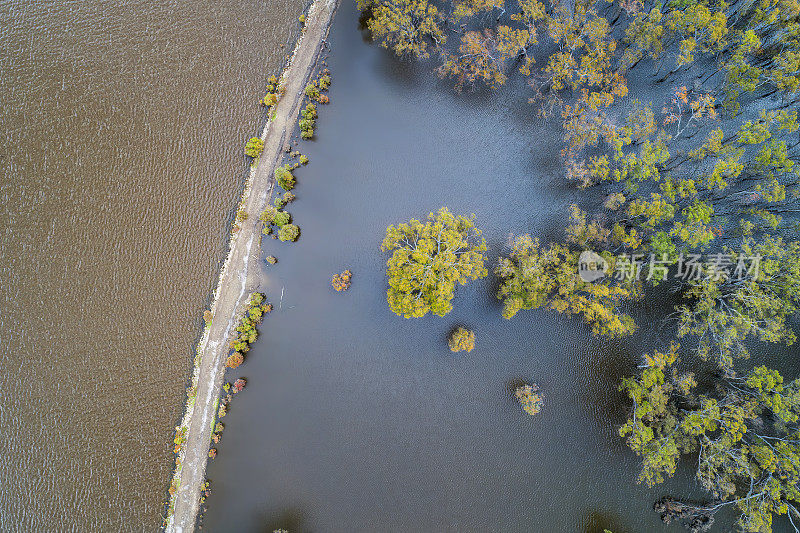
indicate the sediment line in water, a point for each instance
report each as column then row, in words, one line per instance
column 238, row 277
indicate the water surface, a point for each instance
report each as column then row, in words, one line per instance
column 355, row 419
column 120, row 162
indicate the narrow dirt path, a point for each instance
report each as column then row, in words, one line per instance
column 239, row 275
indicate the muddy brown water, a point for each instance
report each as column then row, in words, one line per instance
column 121, row 161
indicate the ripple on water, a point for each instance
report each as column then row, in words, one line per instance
column 121, row 163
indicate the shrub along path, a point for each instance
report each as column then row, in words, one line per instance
column 239, row 275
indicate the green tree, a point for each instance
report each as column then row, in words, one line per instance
column 694, row 28
column 533, row 276
column 288, row 232
column 744, row 431
column 429, row 259
column 529, row 398
column 254, row 147
column 483, row 56
column 463, row 9
column 727, row 308
column 282, row 218
column 284, row 178
column 766, row 51
column 582, row 64
column 308, row 120
column 267, row 216
column 462, row 339
column 644, row 35
column 405, row 26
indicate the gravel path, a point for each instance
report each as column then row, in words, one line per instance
column 239, row 275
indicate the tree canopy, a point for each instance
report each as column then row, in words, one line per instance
column 533, row 276
column 697, row 190
column 429, row 259
column 745, row 432
column 405, row 26
column 462, row 339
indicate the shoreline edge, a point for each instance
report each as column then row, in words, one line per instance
column 237, row 279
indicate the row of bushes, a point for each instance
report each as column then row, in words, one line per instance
column 272, row 216
column 255, row 145
column 530, row 398
column 256, row 306
column 274, row 92
column 205, row 491
column 308, row 121
column 314, row 91
column 247, row 332
column 229, row 390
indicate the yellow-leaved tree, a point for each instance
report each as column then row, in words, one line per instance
column 429, row 259
column 408, row 27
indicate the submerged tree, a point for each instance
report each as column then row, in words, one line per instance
column 429, row 259
column 727, row 310
column 533, row 276
column 234, row 360
column 684, row 184
column 284, row 178
column 745, row 431
column 462, row 339
column 529, row 398
column 408, row 27
column 288, row 232
column 341, row 282
column 692, row 29
column 483, row 56
column 667, row 205
column 583, row 62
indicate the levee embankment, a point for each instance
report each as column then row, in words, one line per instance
column 238, row 278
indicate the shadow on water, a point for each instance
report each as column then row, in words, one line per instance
column 493, row 287
column 600, row 521
column 366, row 35
column 290, row 519
column 603, row 366
column 404, row 73
column 513, row 384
